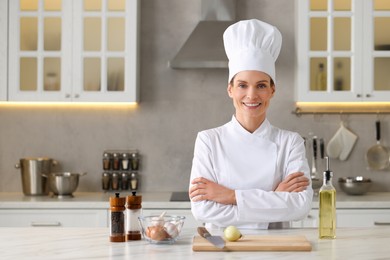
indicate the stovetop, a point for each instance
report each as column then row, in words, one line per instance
column 180, row 196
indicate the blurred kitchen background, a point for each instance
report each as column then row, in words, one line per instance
column 174, row 105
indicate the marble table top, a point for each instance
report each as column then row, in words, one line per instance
column 93, row 243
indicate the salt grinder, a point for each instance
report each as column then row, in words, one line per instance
column 133, row 211
column 117, row 218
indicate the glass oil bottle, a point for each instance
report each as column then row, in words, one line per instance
column 327, row 210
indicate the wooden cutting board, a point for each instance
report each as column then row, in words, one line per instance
column 256, row 243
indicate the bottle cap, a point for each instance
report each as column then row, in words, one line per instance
column 328, row 174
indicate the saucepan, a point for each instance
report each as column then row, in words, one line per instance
column 63, row 184
column 378, row 156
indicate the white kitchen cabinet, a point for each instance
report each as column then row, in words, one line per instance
column 53, row 217
column 189, row 222
column 350, row 218
column 3, row 50
column 76, row 51
column 343, row 51
column 310, row 221
column 363, row 217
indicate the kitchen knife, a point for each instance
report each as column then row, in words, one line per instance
column 217, row 241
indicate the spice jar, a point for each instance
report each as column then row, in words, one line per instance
column 115, row 161
column 124, row 181
column 125, row 161
column 134, row 161
column 106, row 181
column 115, row 181
column 117, row 218
column 106, row 161
column 134, row 181
column 133, row 211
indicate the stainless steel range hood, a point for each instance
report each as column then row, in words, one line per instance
column 204, row 47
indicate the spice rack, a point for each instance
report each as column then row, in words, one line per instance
column 120, row 170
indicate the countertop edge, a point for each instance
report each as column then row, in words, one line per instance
column 160, row 200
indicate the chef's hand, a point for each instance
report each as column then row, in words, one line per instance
column 294, row 182
column 204, row 189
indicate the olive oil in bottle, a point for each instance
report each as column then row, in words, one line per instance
column 327, row 210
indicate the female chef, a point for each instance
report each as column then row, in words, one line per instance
column 249, row 173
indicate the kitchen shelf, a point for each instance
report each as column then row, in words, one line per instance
column 303, row 108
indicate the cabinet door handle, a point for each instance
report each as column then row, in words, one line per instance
column 46, row 224
column 378, row 223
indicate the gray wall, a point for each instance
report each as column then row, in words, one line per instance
column 175, row 105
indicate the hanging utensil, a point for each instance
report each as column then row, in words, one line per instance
column 314, row 161
column 322, row 148
column 378, row 157
column 316, row 183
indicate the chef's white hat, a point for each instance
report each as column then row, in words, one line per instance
column 252, row 45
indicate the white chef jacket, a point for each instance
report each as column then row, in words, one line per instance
column 252, row 164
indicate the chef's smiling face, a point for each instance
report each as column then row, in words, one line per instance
column 251, row 92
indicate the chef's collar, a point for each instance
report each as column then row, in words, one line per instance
column 261, row 131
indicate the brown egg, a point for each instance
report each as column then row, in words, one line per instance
column 158, row 233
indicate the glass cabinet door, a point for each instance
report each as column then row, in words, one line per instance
column 3, row 50
column 40, row 50
column 379, row 51
column 73, row 50
column 331, row 49
column 105, row 48
column 344, row 50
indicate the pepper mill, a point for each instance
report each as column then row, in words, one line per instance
column 117, row 218
column 133, row 211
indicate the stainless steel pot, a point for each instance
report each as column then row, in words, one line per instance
column 32, row 170
column 355, row 185
column 63, row 184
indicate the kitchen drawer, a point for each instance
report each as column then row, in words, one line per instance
column 350, row 218
column 53, row 217
column 363, row 217
column 190, row 221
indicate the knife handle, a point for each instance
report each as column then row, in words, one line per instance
column 315, row 147
column 322, row 148
column 203, row 232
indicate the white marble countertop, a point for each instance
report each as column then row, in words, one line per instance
column 89, row 200
column 93, row 243
column 159, row 200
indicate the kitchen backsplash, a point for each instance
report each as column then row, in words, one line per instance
column 174, row 106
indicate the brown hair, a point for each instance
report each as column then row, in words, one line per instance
column 271, row 81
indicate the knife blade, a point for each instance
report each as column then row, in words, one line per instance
column 217, row 241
